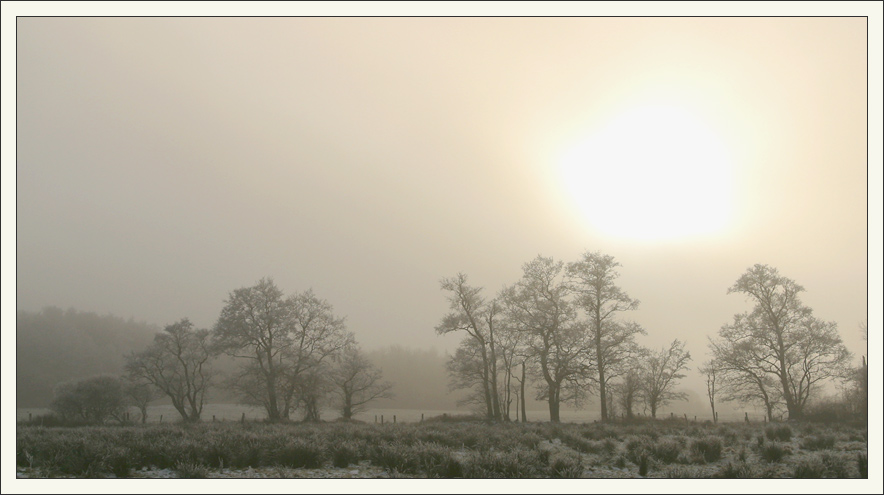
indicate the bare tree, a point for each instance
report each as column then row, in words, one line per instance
column 478, row 318
column 256, row 324
column 514, row 356
column 318, row 337
column 710, row 371
column 592, row 279
column 628, row 390
column 285, row 340
column 741, row 380
column 662, row 370
column 178, row 363
column 780, row 339
column 467, row 371
column 538, row 305
column 140, row 394
column 357, row 382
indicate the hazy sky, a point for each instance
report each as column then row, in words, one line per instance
column 163, row 162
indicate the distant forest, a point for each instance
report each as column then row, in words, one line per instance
column 55, row 345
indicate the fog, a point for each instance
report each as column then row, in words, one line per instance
column 164, row 162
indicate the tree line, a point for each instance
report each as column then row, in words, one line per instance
column 559, row 332
column 295, row 355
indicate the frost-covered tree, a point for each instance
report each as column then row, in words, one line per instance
column 779, row 341
column 178, row 363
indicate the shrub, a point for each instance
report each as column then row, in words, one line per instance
column 735, row 470
column 190, row 469
column 93, row 400
column 836, row 465
column 120, row 460
column 862, row 463
column 516, row 463
column 643, row 464
column 809, row 468
column 344, row 454
column 818, row 442
column 709, row 448
column 774, row 452
column 681, row 472
column 666, row 450
column 562, row 466
column 782, row 433
column 300, row 452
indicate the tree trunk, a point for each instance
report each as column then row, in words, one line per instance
column 272, row 406
column 522, row 394
column 495, row 396
column 553, row 403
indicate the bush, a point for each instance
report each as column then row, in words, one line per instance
column 774, row 452
column 708, row 448
column 681, row 472
column 190, row 469
column 516, row 463
column 300, row 452
column 92, row 400
column 782, row 433
column 666, row 450
column 818, row 442
column 344, row 454
column 862, row 463
column 809, row 468
column 562, row 466
column 735, row 470
column 643, row 465
column 836, row 465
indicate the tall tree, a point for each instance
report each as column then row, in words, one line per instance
column 662, row 371
column 178, row 363
column 357, row 382
column 538, row 305
column 318, row 336
column 741, row 379
column 478, row 318
column 593, row 280
column 256, row 324
column 711, row 371
column 782, row 339
column 285, row 341
column 628, row 390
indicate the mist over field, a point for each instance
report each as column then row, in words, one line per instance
column 454, row 246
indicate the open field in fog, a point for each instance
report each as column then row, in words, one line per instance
column 445, row 449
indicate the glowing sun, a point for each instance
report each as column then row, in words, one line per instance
column 653, row 172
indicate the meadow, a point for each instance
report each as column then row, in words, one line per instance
column 449, row 447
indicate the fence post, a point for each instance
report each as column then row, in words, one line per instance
column 375, row 418
column 161, row 418
column 243, row 420
column 394, row 419
column 422, row 417
column 746, row 418
column 213, row 418
column 29, row 417
column 382, row 419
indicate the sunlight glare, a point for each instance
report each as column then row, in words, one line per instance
column 655, row 172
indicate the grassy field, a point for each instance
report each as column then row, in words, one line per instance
column 446, row 449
